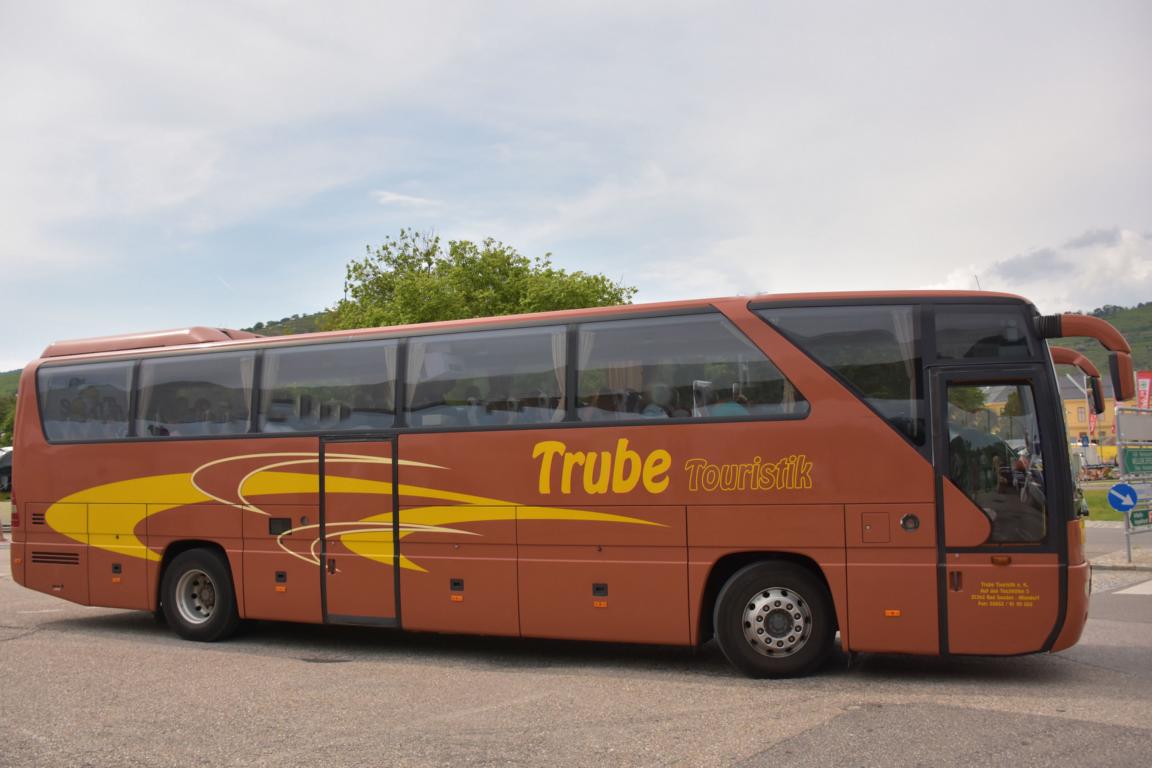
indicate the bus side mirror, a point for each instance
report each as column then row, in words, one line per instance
column 1123, row 376
column 1096, row 392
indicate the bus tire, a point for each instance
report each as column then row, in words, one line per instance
column 774, row 619
column 197, row 596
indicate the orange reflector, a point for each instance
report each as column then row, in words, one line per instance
column 599, row 603
column 457, row 598
column 16, row 561
column 892, row 613
column 115, row 579
column 281, row 588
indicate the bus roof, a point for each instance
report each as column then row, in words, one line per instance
column 145, row 340
column 200, row 335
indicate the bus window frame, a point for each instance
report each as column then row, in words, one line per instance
column 402, row 338
column 925, row 314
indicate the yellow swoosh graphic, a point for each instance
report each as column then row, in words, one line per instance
column 122, row 505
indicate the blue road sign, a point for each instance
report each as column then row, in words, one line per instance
column 1122, row 497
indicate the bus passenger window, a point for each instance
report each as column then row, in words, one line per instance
column 329, row 387
column 85, row 402
column 195, row 396
column 487, row 378
column 994, row 456
column 678, row 367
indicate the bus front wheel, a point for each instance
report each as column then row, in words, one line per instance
column 197, row 596
column 774, row 619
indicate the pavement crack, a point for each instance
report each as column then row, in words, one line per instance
column 27, row 631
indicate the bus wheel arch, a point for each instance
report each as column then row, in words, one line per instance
column 197, row 594
column 772, row 613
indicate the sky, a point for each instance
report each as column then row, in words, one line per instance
column 167, row 164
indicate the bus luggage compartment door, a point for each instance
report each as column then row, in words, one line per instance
column 358, row 555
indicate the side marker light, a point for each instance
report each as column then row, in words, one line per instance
column 892, row 613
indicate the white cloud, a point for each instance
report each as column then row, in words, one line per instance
column 1086, row 272
column 395, row 198
column 689, row 148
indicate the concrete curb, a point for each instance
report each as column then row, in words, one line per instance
column 1121, row 567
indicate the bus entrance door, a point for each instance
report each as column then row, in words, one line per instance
column 1000, row 572
column 358, row 530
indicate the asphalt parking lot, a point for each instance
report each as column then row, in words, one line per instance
column 100, row 687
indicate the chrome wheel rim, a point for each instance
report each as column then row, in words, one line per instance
column 195, row 596
column 777, row 622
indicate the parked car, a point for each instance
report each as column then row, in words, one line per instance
column 6, row 470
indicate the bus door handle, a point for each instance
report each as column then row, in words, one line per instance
column 331, row 565
column 955, row 580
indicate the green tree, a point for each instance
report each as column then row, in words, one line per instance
column 7, row 416
column 1014, row 406
column 967, row 398
column 414, row 279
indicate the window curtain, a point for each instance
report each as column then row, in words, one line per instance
column 268, row 383
column 416, row 352
column 247, row 377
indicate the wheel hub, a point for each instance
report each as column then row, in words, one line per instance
column 777, row 622
column 195, row 596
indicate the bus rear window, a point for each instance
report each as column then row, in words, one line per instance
column 875, row 349
column 85, row 402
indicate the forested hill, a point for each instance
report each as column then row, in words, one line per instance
column 289, row 325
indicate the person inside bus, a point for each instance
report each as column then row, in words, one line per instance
column 474, row 412
column 729, row 401
column 659, row 399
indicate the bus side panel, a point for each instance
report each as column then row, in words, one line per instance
column 814, row 531
column 56, row 550
column 463, row 580
column 117, row 559
column 625, row 582
column 281, row 578
column 216, row 523
column 892, row 598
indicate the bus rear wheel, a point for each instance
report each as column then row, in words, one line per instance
column 774, row 619
column 197, row 597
